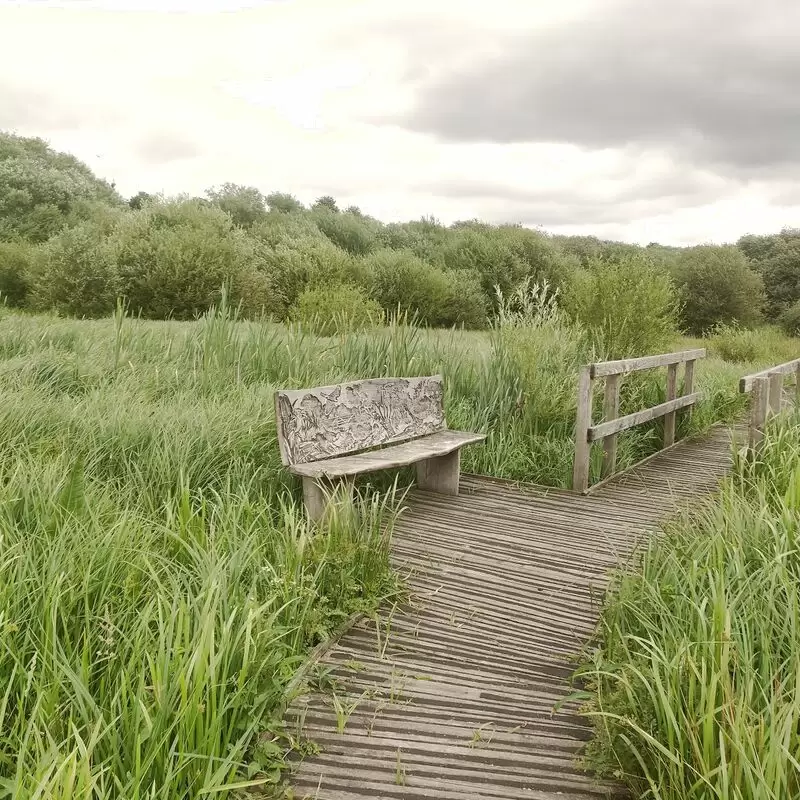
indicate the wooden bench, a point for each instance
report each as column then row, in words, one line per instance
column 323, row 433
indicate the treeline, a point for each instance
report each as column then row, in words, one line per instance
column 70, row 243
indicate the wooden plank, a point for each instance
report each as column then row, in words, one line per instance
column 610, row 411
column 775, row 391
column 669, row 418
column 330, row 421
column 759, row 400
column 746, row 383
column 440, row 474
column 630, row 420
column 583, row 422
column 457, row 695
column 603, row 368
column 399, row 455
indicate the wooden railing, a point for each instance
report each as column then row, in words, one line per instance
column 766, row 395
column 587, row 433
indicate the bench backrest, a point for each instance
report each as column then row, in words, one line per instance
column 332, row 421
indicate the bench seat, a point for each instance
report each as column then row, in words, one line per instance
column 434, row 445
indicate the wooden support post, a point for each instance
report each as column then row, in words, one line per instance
column 440, row 474
column 610, row 411
column 669, row 419
column 314, row 498
column 688, row 382
column 775, row 392
column 583, row 421
column 797, row 387
column 759, row 397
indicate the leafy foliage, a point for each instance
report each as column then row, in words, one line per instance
column 41, row 190
column 15, row 272
column 244, row 204
column 335, row 309
column 627, row 306
column 717, row 286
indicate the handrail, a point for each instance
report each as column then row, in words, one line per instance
column 626, row 365
column 766, row 396
column 587, row 433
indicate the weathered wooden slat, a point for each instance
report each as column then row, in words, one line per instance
column 669, row 417
column 583, row 422
column 454, row 695
column 610, row 411
column 746, row 383
column 399, row 455
column 759, row 408
column 630, row 420
column 623, row 366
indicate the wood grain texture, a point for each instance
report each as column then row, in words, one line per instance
column 454, row 695
column 746, row 383
column 330, row 421
column 669, row 417
column 610, row 411
column 583, row 423
column 623, row 366
column 399, row 455
column 630, row 420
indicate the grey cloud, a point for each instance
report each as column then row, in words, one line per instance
column 163, row 148
column 30, row 108
column 717, row 82
column 568, row 206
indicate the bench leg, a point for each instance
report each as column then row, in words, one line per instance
column 314, row 499
column 440, row 474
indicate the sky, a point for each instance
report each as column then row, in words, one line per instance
column 675, row 121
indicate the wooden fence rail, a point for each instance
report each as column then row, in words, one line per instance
column 607, row 431
column 766, row 393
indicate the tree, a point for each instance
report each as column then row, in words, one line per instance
column 283, row 203
column 325, row 202
column 138, row 200
column 245, row 205
column 42, row 190
column 717, row 286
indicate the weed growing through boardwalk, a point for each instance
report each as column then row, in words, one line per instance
column 696, row 685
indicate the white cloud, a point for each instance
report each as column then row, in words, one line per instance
column 179, row 95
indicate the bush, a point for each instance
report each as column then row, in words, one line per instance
column 307, row 263
column 244, row 204
column 351, row 232
column 717, row 286
column 15, row 266
column 174, row 257
column 76, row 273
column 338, row 309
column 628, row 307
column 735, row 344
column 402, row 282
column 790, row 320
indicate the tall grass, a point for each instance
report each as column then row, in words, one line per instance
column 159, row 586
column 696, row 680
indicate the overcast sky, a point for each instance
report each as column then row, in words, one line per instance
column 646, row 120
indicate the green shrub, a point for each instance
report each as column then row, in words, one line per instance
column 331, row 310
column 174, row 257
column 627, row 306
column 790, row 320
column 351, row 232
column 15, row 268
column 717, row 286
column 735, row 344
column 245, row 205
column 402, row 282
column 76, row 273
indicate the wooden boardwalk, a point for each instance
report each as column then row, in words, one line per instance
column 453, row 696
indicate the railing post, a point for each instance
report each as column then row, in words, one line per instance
column 759, row 399
column 583, row 421
column 610, row 411
column 775, row 392
column 669, row 419
column 688, row 383
column 797, row 387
